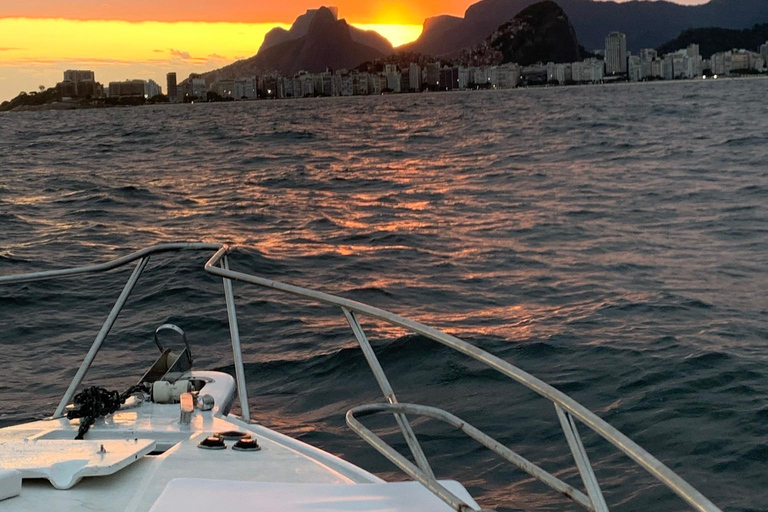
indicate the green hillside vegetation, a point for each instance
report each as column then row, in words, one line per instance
column 33, row 98
column 713, row 40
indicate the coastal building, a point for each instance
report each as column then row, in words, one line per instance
column 740, row 61
column 224, row 88
column 506, row 76
column 79, row 75
column 721, row 63
column 634, row 68
column 587, row 71
column 172, row 87
column 393, row 77
column 307, row 85
column 737, row 61
column 616, row 53
column 432, row 74
column 127, row 89
column 347, row 86
column 669, row 67
column 379, row 84
column 651, row 66
column 764, row 53
column 464, row 77
column 197, row 87
column 564, row 73
column 414, row 77
column 483, row 76
column 536, row 74
column 245, row 88
column 80, row 83
column 66, row 89
column 551, row 73
column 327, row 84
column 379, row 78
column 449, row 79
column 656, row 68
column 152, row 89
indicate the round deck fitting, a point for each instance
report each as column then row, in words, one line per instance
column 231, row 435
column 212, row 443
column 246, row 445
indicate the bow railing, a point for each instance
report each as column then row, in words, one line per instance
column 568, row 411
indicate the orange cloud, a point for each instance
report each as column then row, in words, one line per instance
column 242, row 11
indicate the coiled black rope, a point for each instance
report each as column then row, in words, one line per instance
column 95, row 402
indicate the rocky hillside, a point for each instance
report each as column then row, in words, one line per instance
column 712, row 40
column 328, row 43
column 647, row 24
column 300, row 28
column 539, row 33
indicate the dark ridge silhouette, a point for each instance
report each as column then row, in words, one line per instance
column 539, row 33
column 300, row 28
column 328, row 43
column 647, row 24
column 713, row 40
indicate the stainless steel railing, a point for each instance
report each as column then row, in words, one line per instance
column 142, row 256
column 568, row 410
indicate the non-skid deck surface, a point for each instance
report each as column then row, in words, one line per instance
column 204, row 495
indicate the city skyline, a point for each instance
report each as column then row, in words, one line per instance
column 146, row 39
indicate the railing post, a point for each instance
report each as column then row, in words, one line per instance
column 581, row 459
column 108, row 323
column 389, row 393
column 234, row 333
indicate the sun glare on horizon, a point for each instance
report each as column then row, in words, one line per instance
column 35, row 51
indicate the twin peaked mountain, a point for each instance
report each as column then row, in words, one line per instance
column 316, row 41
column 319, row 40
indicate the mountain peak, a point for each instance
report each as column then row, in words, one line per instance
column 647, row 24
column 299, row 28
column 318, row 40
column 539, row 33
column 323, row 19
column 326, row 15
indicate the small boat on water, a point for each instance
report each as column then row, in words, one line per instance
column 171, row 443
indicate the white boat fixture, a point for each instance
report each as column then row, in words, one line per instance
column 170, row 443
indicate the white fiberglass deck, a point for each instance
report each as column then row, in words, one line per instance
column 135, row 488
column 203, row 495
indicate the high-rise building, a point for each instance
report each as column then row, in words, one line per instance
column 127, row 89
column 414, row 77
column 616, row 53
column 79, row 75
column 648, row 54
column 83, row 81
column 432, row 74
column 634, row 68
column 173, row 91
column 152, row 89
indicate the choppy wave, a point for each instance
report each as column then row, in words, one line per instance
column 612, row 241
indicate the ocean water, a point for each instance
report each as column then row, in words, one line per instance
column 610, row 240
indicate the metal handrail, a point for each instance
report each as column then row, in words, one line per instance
column 479, row 436
column 142, row 256
column 567, row 408
column 112, row 264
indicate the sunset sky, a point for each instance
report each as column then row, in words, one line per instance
column 147, row 38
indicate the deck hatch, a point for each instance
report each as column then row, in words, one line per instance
column 65, row 461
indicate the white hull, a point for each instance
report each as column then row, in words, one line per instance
column 136, row 487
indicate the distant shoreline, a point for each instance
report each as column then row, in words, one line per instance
column 64, row 106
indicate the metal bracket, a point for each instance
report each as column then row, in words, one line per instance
column 176, row 329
